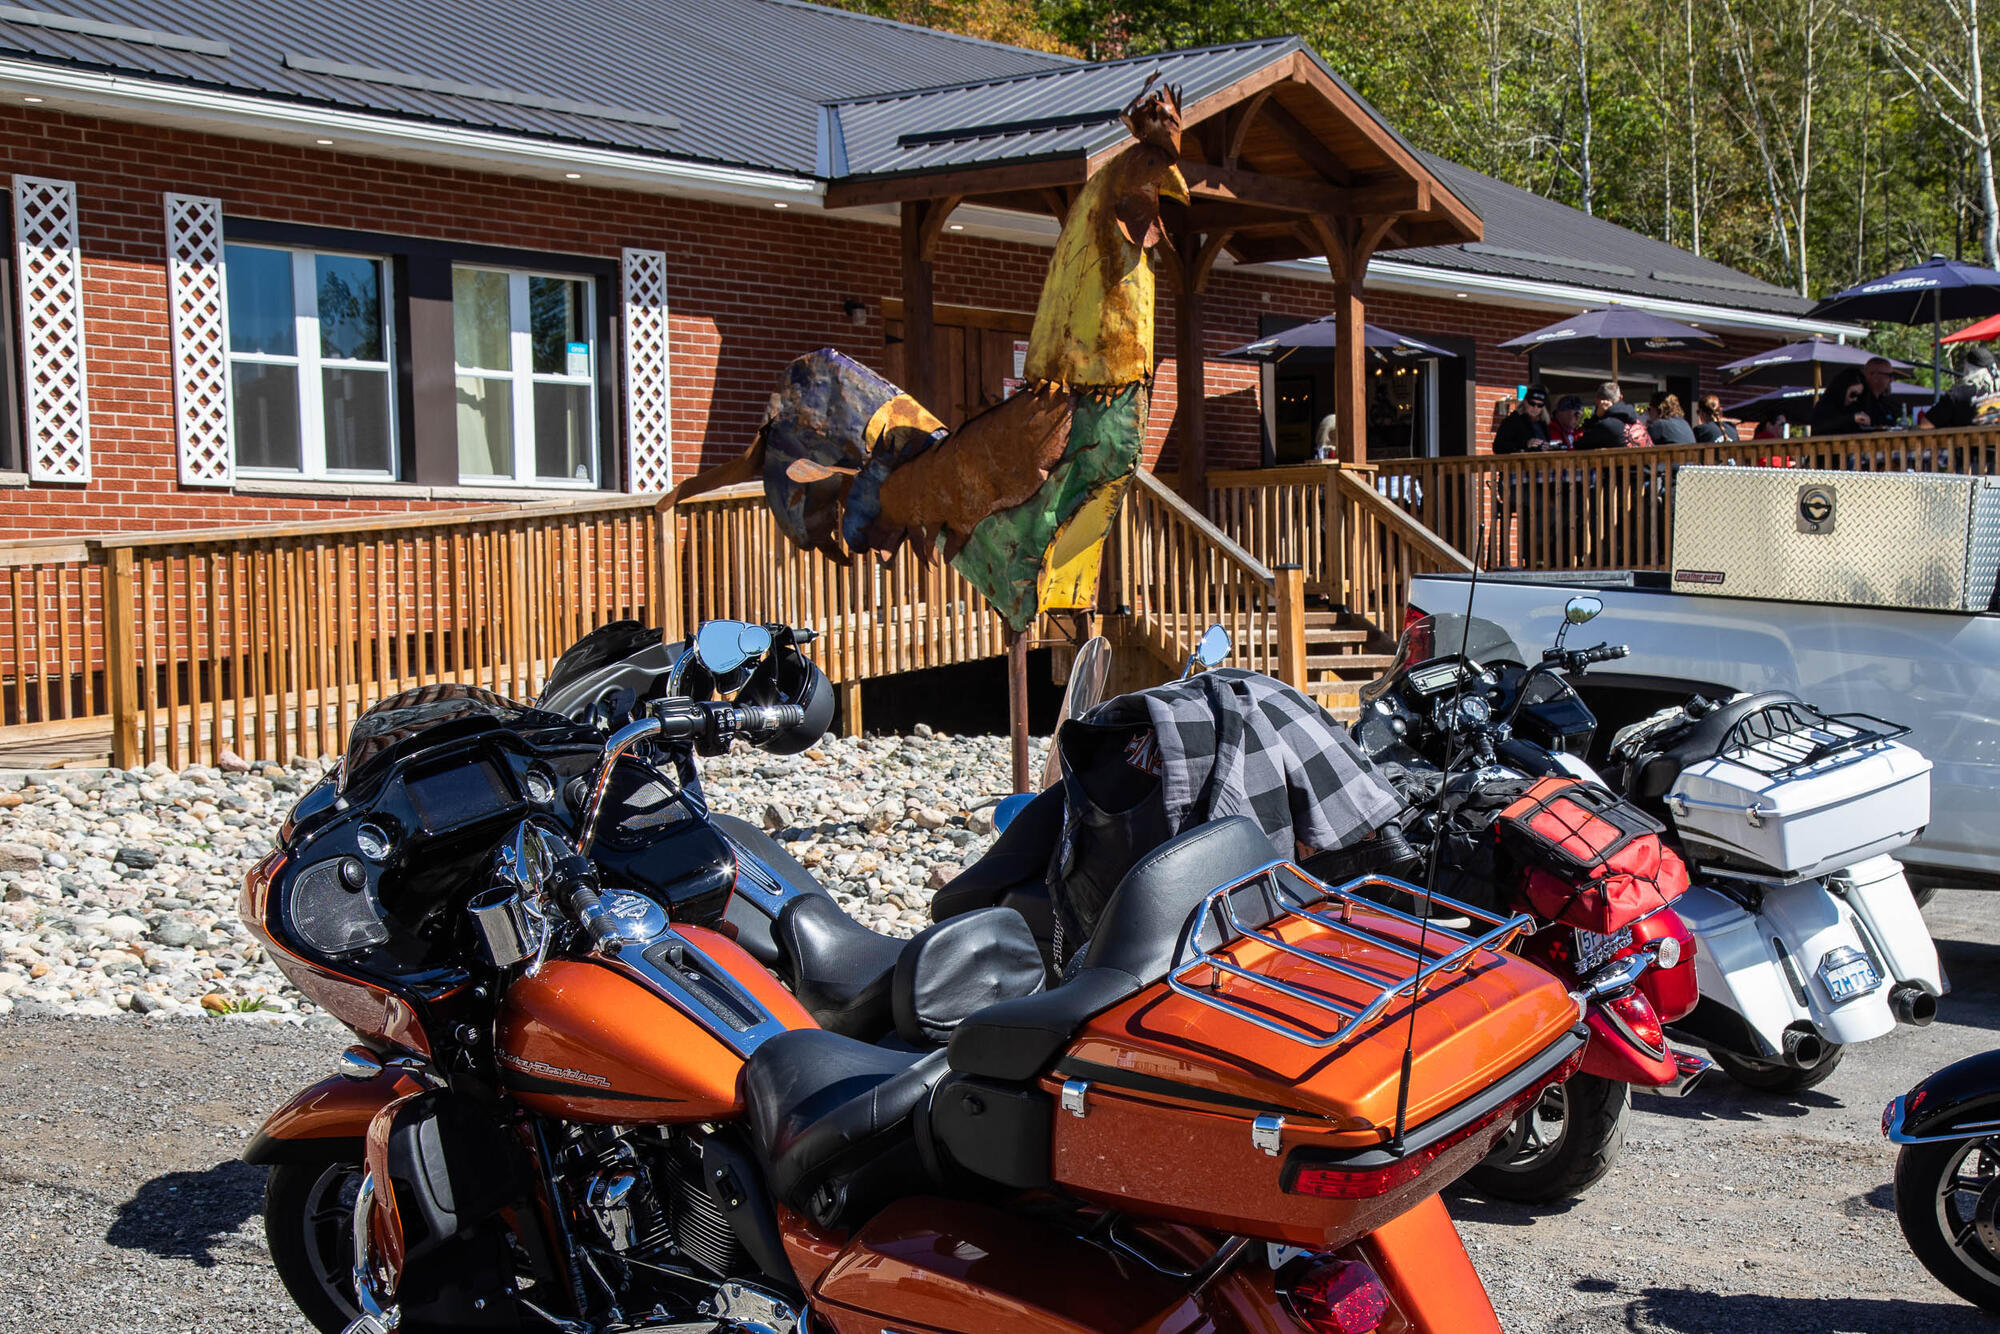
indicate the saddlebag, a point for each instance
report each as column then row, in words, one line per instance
column 1589, row 857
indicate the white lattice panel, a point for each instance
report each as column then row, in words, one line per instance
column 649, row 426
column 199, row 307
column 49, row 268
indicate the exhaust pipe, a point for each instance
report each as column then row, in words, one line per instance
column 1803, row 1048
column 1912, row 1005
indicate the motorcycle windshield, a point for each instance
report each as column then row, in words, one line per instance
column 403, row 723
column 1447, row 635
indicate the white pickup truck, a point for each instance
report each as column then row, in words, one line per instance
column 1938, row 673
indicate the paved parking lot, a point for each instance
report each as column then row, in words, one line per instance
column 123, row 1209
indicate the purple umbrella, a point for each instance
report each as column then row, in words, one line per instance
column 1796, row 402
column 1629, row 330
column 1785, row 365
column 1319, row 333
column 1932, row 292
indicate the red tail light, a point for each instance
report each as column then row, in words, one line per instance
column 1636, row 1018
column 1330, row 1296
column 1412, row 614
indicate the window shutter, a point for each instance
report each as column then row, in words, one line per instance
column 649, row 432
column 54, row 393
column 198, row 304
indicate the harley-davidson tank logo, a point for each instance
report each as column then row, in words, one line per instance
column 547, row 1071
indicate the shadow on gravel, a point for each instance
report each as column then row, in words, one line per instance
column 1724, row 1103
column 1469, row 1206
column 1682, row 1311
column 182, row 1215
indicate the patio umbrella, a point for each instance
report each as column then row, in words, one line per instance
column 1319, row 333
column 1932, row 292
column 1627, row 330
column 1790, row 364
column 1796, row 402
column 1984, row 331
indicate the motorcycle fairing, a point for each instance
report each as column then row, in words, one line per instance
column 1961, row 1101
column 1612, row 1055
column 327, row 1117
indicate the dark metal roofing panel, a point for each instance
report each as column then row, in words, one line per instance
column 1066, row 110
column 1539, row 240
column 743, row 78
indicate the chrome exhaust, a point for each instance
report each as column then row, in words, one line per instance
column 1803, row 1047
column 1912, row 1005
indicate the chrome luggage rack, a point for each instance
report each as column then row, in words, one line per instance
column 1281, row 890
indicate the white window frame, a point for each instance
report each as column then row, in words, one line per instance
column 524, row 378
column 309, row 362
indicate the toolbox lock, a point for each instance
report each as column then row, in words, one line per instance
column 1073, row 1092
column 1267, row 1133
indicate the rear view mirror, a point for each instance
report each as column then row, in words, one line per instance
column 725, row 647
column 1582, row 608
column 1213, row 647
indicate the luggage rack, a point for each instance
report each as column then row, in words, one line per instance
column 1780, row 739
column 1283, row 891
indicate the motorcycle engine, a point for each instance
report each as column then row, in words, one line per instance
column 643, row 1192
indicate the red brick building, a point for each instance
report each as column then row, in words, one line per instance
column 277, row 263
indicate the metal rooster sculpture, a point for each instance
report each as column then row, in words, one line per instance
column 1022, row 495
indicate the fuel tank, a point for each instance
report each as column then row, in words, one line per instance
column 608, row 1040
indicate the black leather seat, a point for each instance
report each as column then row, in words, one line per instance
column 1654, row 774
column 1013, row 873
column 840, row 970
column 1132, row 949
column 832, row 1118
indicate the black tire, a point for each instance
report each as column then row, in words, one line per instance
column 1530, row 1166
column 309, row 1227
column 1941, row 1226
column 1774, row 1077
column 1924, row 895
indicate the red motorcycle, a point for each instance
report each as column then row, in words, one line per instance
column 1480, row 743
column 623, row 1066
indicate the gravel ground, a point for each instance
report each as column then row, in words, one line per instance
column 123, row 1206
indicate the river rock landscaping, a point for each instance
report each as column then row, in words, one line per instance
column 118, row 887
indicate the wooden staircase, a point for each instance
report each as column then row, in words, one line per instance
column 1343, row 653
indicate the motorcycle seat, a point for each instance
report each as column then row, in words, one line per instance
column 1134, row 947
column 1013, row 873
column 1654, row 774
column 833, row 1120
column 840, row 970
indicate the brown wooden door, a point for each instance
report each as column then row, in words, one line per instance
column 975, row 356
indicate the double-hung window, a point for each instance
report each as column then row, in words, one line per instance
column 526, row 363
column 312, row 390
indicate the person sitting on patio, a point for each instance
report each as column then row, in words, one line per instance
column 1566, row 425
column 1616, row 424
column 1666, row 424
column 1976, row 396
column 1709, row 427
column 1526, row 427
column 1856, row 401
column 1771, row 428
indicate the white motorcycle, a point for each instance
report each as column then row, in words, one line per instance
column 1809, row 937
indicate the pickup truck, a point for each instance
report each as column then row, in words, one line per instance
column 1938, row 673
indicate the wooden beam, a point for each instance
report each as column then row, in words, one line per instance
column 1298, row 195
column 934, row 220
column 1240, row 121
column 919, row 325
column 1204, row 259
column 1350, row 371
column 1306, row 144
column 963, row 183
column 1191, row 372
column 1058, row 200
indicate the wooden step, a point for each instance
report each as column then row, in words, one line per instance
column 1372, row 663
column 1329, row 636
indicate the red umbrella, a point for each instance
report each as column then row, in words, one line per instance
column 1986, row 329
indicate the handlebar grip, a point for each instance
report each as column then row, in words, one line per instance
column 760, row 721
column 578, row 878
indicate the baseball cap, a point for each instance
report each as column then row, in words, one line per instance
column 1570, row 403
column 1536, row 395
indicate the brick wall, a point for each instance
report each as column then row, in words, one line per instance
column 749, row 289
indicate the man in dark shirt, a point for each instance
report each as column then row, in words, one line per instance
column 1526, row 427
column 1842, row 410
column 1977, row 389
column 1614, row 423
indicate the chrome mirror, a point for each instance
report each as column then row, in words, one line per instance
column 724, row 647
column 1582, row 608
column 513, row 916
column 1213, row 647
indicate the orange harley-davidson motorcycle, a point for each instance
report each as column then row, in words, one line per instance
column 623, row 1066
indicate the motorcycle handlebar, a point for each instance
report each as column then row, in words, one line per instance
column 695, row 720
column 576, row 878
column 1605, row 653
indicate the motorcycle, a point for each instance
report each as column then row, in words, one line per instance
column 1948, row 1175
column 621, row 1065
column 1452, row 717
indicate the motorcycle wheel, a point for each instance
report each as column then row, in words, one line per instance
column 309, row 1227
column 1772, row 1077
column 1567, row 1140
column 1945, row 1202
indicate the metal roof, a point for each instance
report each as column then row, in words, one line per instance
column 1540, row 240
column 743, row 79
column 776, row 85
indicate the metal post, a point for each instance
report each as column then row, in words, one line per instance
column 1017, row 705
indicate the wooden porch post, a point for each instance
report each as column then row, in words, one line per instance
column 919, row 324
column 1350, row 372
column 1191, row 396
column 121, row 666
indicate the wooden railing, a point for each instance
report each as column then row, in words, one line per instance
column 52, row 683
column 1613, row 508
column 874, row 617
column 1357, row 548
column 1178, row 574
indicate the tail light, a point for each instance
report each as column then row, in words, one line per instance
column 1636, row 1019
column 1419, row 638
column 1332, row 1296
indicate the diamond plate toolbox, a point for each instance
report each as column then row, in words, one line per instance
column 1924, row 541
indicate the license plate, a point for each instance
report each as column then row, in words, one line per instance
column 1847, row 973
column 1593, row 949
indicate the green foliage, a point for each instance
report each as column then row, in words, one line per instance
column 1778, row 136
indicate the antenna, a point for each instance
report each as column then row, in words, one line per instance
column 1437, row 842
